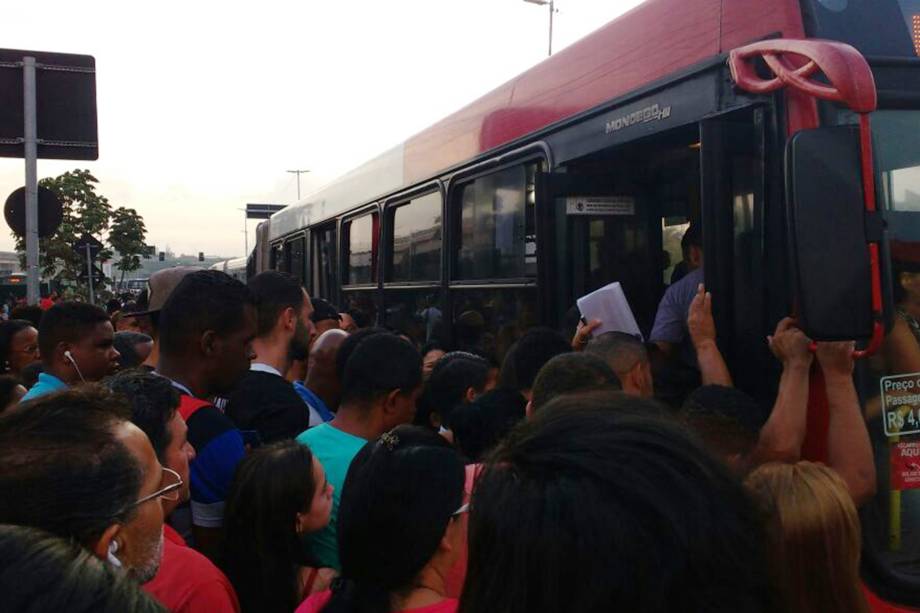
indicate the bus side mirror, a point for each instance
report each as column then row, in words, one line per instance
column 828, row 234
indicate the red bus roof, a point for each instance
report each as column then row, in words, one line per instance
column 657, row 38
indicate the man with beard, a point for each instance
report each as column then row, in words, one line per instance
column 264, row 401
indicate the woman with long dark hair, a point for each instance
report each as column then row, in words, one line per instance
column 593, row 507
column 398, row 527
column 279, row 495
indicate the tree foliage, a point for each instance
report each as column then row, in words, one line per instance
column 85, row 212
column 127, row 236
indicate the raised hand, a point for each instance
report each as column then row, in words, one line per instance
column 789, row 344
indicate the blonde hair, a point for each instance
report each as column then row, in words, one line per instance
column 815, row 541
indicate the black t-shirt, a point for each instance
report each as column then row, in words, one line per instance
column 268, row 404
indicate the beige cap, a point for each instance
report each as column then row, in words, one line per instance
column 161, row 284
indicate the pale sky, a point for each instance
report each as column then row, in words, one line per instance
column 204, row 105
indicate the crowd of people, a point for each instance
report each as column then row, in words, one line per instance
column 218, row 447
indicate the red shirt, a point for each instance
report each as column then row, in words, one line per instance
column 316, row 602
column 877, row 605
column 188, row 582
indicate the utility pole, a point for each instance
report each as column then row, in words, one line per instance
column 552, row 9
column 298, row 173
column 30, row 117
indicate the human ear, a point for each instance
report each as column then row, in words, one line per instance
column 390, row 403
column 452, row 540
column 60, row 349
column 101, row 547
column 470, row 394
column 290, row 318
column 528, row 410
column 209, row 342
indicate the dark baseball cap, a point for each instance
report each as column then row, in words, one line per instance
column 323, row 309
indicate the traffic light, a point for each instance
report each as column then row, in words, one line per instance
column 162, row 256
column 201, row 256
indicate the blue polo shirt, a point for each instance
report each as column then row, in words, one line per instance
column 46, row 384
column 319, row 412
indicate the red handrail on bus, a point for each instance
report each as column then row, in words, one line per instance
column 849, row 81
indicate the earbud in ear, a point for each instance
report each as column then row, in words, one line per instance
column 70, row 359
column 110, row 555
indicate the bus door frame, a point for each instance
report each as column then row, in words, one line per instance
column 569, row 239
column 719, row 141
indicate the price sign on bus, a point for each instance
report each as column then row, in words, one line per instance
column 901, row 404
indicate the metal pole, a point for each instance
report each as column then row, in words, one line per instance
column 551, row 11
column 246, row 233
column 30, row 132
column 298, row 173
column 89, row 273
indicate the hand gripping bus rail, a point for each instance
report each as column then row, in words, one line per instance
column 850, row 82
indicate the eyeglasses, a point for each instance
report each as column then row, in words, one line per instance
column 463, row 509
column 168, row 492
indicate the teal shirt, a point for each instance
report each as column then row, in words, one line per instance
column 335, row 450
column 45, row 385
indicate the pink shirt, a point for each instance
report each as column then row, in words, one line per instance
column 316, row 602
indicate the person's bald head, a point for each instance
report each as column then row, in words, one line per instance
column 627, row 356
column 326, row 348
column 322, row 376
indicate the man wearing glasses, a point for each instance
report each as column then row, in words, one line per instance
column 72, row 464
column 187, row 581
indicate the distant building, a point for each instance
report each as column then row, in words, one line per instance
column 9, row 263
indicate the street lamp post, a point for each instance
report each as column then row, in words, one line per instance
column 298, row 173
column 552, row 9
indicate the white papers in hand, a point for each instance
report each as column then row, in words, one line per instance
column 609, row 305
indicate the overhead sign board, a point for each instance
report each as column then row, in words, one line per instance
column 98, row 275
column 90, row 243
column 66, row 105
column 262, row 211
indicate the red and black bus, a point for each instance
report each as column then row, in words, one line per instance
column 780, row 126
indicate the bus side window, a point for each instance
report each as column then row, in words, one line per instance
column 361, row 257
column 414, row 307
column 497, row 239
column 297, row 257
column 278, row 260
column 323, row 261
column 494, row 221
